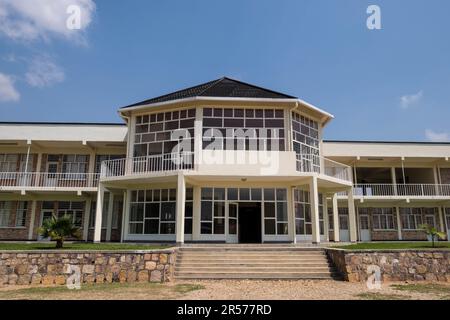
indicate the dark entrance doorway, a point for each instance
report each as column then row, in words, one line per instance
column 249, row 222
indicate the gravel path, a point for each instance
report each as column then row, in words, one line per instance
column 295, row 290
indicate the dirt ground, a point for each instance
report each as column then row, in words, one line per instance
column 235, row 290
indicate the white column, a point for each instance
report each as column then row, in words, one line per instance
column 394, row 179
column 196, row 211
column 98, row 213
column 352, row 216
column 109, row 216
column 291, row 213
column 124, row 210
column 198, row 137
column 399, row 223
column 126, row 215
column 87, row 213
column 314, row 199
column 181, row 195
column 441, row 219
column 336, row 234
column 325, row 218
column 38, row 168
column 32, row 219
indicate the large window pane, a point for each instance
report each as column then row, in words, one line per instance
column 206, row 211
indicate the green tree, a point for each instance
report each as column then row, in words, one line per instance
column 432, row 232
column 58, row 229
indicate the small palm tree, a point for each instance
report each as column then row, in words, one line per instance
column 432, row 232
column 58, row 229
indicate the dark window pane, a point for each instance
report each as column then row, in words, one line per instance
column 206, row 211
column 206, row 227
column 219, row 194
column 279, row 114
column 282, row 211
column 274, row 123
column 233, row 123
column 137, row 212
column 218, row 112
column 239, row 113
column 269, row 194
column 219, row 226
column 256, row 194
column 151, row 226
column 156, row 195
column 152, row 210
column 249, row 113
column 232, row 194
column 258, row 113
column 164, row 194
column 136, row 228
column 269, row 209
column 282, row 228
column 268, row 113
column 189, row 194
column 219, row 209
column 167, row 228
column 188, row 226
column 172, row 194
column 299, row 227
column 232, row 226
column 254, row 123
column 191, row 113
column 281, row 194
column 228, row 113
column 168, row 211
column 244, row 194
column 269, row 226
column 207, row 112
column 188, row 209
column 207, row 193
column 212, row 122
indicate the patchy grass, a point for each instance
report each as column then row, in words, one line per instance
column 110, row 291
column 394, row 245
column 78, row 246
column 382, row 296
column 432, row 288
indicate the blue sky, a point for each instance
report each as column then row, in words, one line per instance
column 388, row 84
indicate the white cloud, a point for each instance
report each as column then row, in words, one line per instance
column 40, row 19
column 410, row 99
column 437, row 136
column 43, row 72
column 7, row 90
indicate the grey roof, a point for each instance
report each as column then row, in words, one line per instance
column 223, row 87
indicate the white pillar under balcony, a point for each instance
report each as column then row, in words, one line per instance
column 399, row 223
column 32, row 219
column 109, row 216
column 196, row 211
column 124, row 210
column 291, row 214
column 441, row 220
column 98, row 213
column 87, row 213
column 181, row 196
column 314, row 199
column 352, row 216
column 326, row 230
column 336, row 235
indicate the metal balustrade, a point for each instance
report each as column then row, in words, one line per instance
column 147, row 164
column 318, row 164
column 48, row 180
column 392, row 190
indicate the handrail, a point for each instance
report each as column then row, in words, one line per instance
column 319, row 164
column 411, row 189
column 49, row 179
column 147, row 164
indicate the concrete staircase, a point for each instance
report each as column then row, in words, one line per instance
column 252, row 262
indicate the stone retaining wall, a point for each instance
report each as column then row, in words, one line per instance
column 395, row 265
column 49, row 267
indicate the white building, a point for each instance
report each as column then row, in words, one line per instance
column 224, row 161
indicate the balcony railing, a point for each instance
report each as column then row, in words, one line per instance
column 48, row 180
column 315, row 163
column 148, row 164
column 401, row 190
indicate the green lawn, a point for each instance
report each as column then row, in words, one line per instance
column 394, row 245
column 105, row 291
column 79, row 246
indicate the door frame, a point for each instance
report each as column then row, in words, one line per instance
column 232, row 238
column 365, row 232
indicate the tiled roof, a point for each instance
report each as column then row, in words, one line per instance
column 223, row 87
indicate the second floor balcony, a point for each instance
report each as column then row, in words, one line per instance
column 48, row 181
column 386, row 190
column 227, row 163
